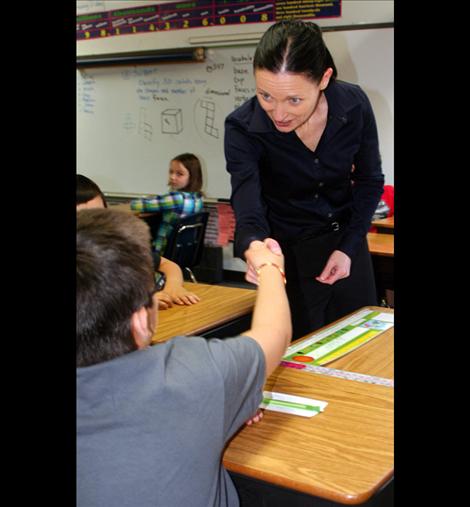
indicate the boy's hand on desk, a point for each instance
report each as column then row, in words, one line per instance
column 164, row 300
column 181, row 296
column 256, row 418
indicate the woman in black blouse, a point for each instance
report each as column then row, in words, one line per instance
column 305, row 168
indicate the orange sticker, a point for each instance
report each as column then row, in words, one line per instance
column 303, row 359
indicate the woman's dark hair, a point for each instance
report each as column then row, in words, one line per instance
column 88, row 190
column 193, row 165
column 294, row 46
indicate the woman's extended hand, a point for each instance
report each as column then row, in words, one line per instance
column 337, row 267
column 273, row 246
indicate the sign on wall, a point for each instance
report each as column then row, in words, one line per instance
column 200, row 14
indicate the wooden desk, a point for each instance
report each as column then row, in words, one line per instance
column 382, row 249
column 122, row 206
column 376, row 359
column 385, row 225
column 125, row 206
column 381, row 244
column 220, row 309
column 344, row 454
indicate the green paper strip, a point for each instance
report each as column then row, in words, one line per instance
column 291, row 404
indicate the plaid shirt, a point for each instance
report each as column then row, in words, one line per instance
column 172, row 206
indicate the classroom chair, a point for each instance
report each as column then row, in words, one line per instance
column 186, row 242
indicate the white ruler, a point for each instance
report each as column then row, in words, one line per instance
column 348, row 375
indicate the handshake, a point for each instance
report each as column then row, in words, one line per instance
column 261, row 253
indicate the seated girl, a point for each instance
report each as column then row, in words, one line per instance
column 184, row 198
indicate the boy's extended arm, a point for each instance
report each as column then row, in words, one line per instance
column 271, row 324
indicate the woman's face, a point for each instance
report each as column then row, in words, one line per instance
column 178, row 177
column 289, row 99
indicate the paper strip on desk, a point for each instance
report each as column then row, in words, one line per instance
column 386, row 317
column 289, row 404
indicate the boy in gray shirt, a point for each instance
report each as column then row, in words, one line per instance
column 152, row 421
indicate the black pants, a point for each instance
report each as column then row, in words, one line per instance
column 314, row 304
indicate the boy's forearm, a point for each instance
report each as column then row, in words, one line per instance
column 271, row 324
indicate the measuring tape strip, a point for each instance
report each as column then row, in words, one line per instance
column 348, row 375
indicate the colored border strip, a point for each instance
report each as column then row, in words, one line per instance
column 205, row 13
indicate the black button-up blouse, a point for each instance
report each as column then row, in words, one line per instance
column 282, row 189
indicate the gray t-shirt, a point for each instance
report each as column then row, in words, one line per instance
column 152, row 425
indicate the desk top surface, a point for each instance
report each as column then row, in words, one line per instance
column 344, row 454
column 218, row 305
column 381, row 244
column 374, row 358
column 126, row 207
column 122, row 206
column 387, row 223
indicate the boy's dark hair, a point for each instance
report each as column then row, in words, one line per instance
column 193, row 165
column 88, row 190
column 114, row 279
column 294, row 46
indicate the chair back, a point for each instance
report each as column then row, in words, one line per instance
column 186, row 242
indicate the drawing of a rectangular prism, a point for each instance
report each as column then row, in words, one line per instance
column 207, row 104
column 172, row 121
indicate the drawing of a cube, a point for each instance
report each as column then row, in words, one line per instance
column 172, row 121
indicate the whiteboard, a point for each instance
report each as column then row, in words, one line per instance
column 131, row 121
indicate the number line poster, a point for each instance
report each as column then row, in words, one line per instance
column 336, row 341
column 199, row 14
